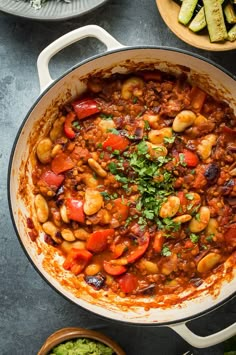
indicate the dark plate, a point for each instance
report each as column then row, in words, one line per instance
column 51, row 10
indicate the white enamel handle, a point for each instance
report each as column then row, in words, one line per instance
column 66, row 40
column 204, row 342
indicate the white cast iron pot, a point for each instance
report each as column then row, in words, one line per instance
column 208, row 75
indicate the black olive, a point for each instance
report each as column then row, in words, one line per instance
column 96, row 281
column 212, row 172
column 227, row 188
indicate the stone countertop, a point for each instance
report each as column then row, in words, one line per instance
column 30, row 310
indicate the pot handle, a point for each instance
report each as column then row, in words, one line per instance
column 66, row 40
column 203, row 342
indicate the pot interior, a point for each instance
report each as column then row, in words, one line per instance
column 37, row 123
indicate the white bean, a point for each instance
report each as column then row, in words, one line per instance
column 67, row 246
column 42, row 209
column 68, row 235
column 149, row 266
column 212, row 227
column 55, row 150
column 63, row 213
column 204, row 148
column 157, row 136
column 50, row 229
column 57, row 129
column 183, row 120
column 95, row 166
column 93, row 201
column 182, row 219
column 43, row 150
column 81, row 234
column 105, row 125
column 92, row 269
column 199, row 120
column 208, row 262
column 152, row 120
column 89, row 180
column 200, row 221
column 156, row 151
column 132, row 87
column 170, row 207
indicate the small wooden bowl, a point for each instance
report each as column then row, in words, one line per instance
column 169, row 11
column 66, row 334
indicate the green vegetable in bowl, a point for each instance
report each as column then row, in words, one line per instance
column 82, row 347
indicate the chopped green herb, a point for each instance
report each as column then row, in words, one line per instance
column 113, row 131
column 197, row 216
column 142, row 148
column 76, row 125
column 189, row 196
column 106, row 117
column 99, row 145
column 210, row 237
column 204, row 247
column 112, row 167
column 146, row 125
column 193, row 172
column 194, row 237
column 169, row 139
column 101, row 156
column 135, row 100
column 165, row 251
column 182, row 159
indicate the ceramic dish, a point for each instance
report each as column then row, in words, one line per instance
column 169, row 11
column 51, row 10
column 67, row 334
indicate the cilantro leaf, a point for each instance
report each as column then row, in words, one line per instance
column 194, row 238
column 165, row 251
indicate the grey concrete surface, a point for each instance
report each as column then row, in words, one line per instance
column 30, row 310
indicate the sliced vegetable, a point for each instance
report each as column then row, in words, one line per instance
column 97, row 241
column 120, row 211
column 68, row 129
column 158, row 242
column 61, row 163
column 128, row 282
column 75, row 210
column 198, row 22
column 215, row 20
column 76, row 260
column 186, row 11
column 232, row 34
column 85, row 108
column 140, row 250
column 114, row 270
column 115, row 142
column 230, row 14
column 198, row 98
column 53, row 180
column 118, row 250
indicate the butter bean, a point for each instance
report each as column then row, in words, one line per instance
column 212, row 227
column 157, row 136
column 43, row 150
column 63, row 213
column 183, row 120
column 132, row 87
column 204, row 148
column 57, row 129
column 208, row 262
column 182, row 219
column 50, row 229
column 93, row 201
column 105, row 125
column 170, row 207
column 156, row 151
column 67, row 246
column 81, row 234
column 89, row 180
column 199, row 223
column 92, row 269
column 95, row 166
column 68, row 235
column 149, row 266
column 42, row 209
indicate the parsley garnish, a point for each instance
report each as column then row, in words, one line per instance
column 210, row 237
column 169, row 139
column 112, row 167
column 194, row 238
column 106, row 117
column 135, row 100
column 182, row 159
column 165, row 251
column 76, row 125
column 146, row 125
column 189, row 196
column 113, row 131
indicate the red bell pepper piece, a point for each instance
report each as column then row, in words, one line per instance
column 53, row 180
column 69, row 132
column 190, row 158
column 76, row 260
column 97, row 241
column 114, row 270
column 229, row 130
column 85, row 108
column 120, row 210
column 128, row 282
column 118, row 249
column 61, row 163
column 197, row 97
column 115, row 142
column 140, row 250
column 158, row 242
column 75, row 210
column 230, row 235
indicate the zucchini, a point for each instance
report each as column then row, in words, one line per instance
column 230, row 14
column 199, row 21
column 186, row 11
column 232, row 34
column 215, row 20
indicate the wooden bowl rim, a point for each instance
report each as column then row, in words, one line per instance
column 169, row 10
column 70, row 333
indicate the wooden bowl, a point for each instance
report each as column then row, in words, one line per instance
column 169, row 11
column 66, row 334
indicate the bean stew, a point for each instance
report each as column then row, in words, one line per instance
column 135, row 184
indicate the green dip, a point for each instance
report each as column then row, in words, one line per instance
column 81, row 347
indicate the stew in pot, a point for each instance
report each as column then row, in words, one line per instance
column 135, row 184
